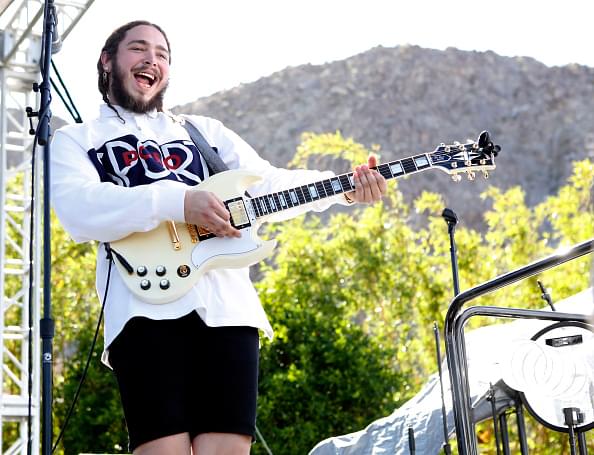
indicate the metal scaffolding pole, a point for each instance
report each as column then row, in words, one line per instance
column 20, row 51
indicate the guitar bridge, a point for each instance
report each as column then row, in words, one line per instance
column 193, row 231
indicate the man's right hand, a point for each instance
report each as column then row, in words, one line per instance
column 206, row 210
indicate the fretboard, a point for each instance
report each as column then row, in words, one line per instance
column 340, row 184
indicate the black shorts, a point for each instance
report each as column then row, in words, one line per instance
column 181, row 376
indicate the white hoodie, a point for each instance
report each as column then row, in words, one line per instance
column 111, row 178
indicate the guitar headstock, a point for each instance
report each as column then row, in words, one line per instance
column 470, row 157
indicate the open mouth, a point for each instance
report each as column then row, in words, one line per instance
column 145, row 79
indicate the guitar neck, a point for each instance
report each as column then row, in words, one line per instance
column 340, row 184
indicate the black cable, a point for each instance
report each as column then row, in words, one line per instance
column 77, row 118
column 68, row 108
column 90, row 355
column 263, row 441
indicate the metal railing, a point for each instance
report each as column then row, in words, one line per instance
column 456, row 319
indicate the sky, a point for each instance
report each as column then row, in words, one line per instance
column 219, row 44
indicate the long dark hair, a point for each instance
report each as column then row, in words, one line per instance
column 111, row 48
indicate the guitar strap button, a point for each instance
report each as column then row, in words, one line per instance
column 183, row 270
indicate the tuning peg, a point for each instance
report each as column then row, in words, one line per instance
column 483, row 139
column 456, row 177
column 470, row 175
column 485, row 143
column 485, row 174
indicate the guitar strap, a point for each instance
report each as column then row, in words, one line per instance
column 213, row 160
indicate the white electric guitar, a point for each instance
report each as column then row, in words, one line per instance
column 162, row 265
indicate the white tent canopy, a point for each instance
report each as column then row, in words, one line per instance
column 493, row 353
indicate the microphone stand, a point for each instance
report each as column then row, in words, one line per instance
column 451, row 219
column 43, row 133
column 444, row 416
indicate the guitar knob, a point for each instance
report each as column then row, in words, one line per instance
column 145, row 285
column 141, row 270
column 164, row 284
column 160, row 270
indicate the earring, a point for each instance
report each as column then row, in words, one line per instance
column 104, row 77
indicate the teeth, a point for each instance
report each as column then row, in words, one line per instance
column 147, row 75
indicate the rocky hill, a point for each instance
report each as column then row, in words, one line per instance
column 409, row 99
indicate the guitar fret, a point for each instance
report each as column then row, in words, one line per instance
column 409, row 165
column 306, row 195
column 396, row 168
column 345, row 182
column 267, row 208
column 294, row 197
column 320, row 189
column 287, row 198
column 336, row 186
column 384, row 170
column 421, row 161
column 282, row 199
column 262, row 206
column 277, row 201
column 254, row 206
column 328, row 187
column 272, row 203
column 259, row 210
column 300, row 195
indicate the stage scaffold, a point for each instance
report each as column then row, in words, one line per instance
column 21, row 24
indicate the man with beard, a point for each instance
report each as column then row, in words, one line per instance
column 187, row 370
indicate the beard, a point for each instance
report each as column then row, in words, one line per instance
column 127, row 101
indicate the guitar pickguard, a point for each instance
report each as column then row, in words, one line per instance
column 207, row 253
